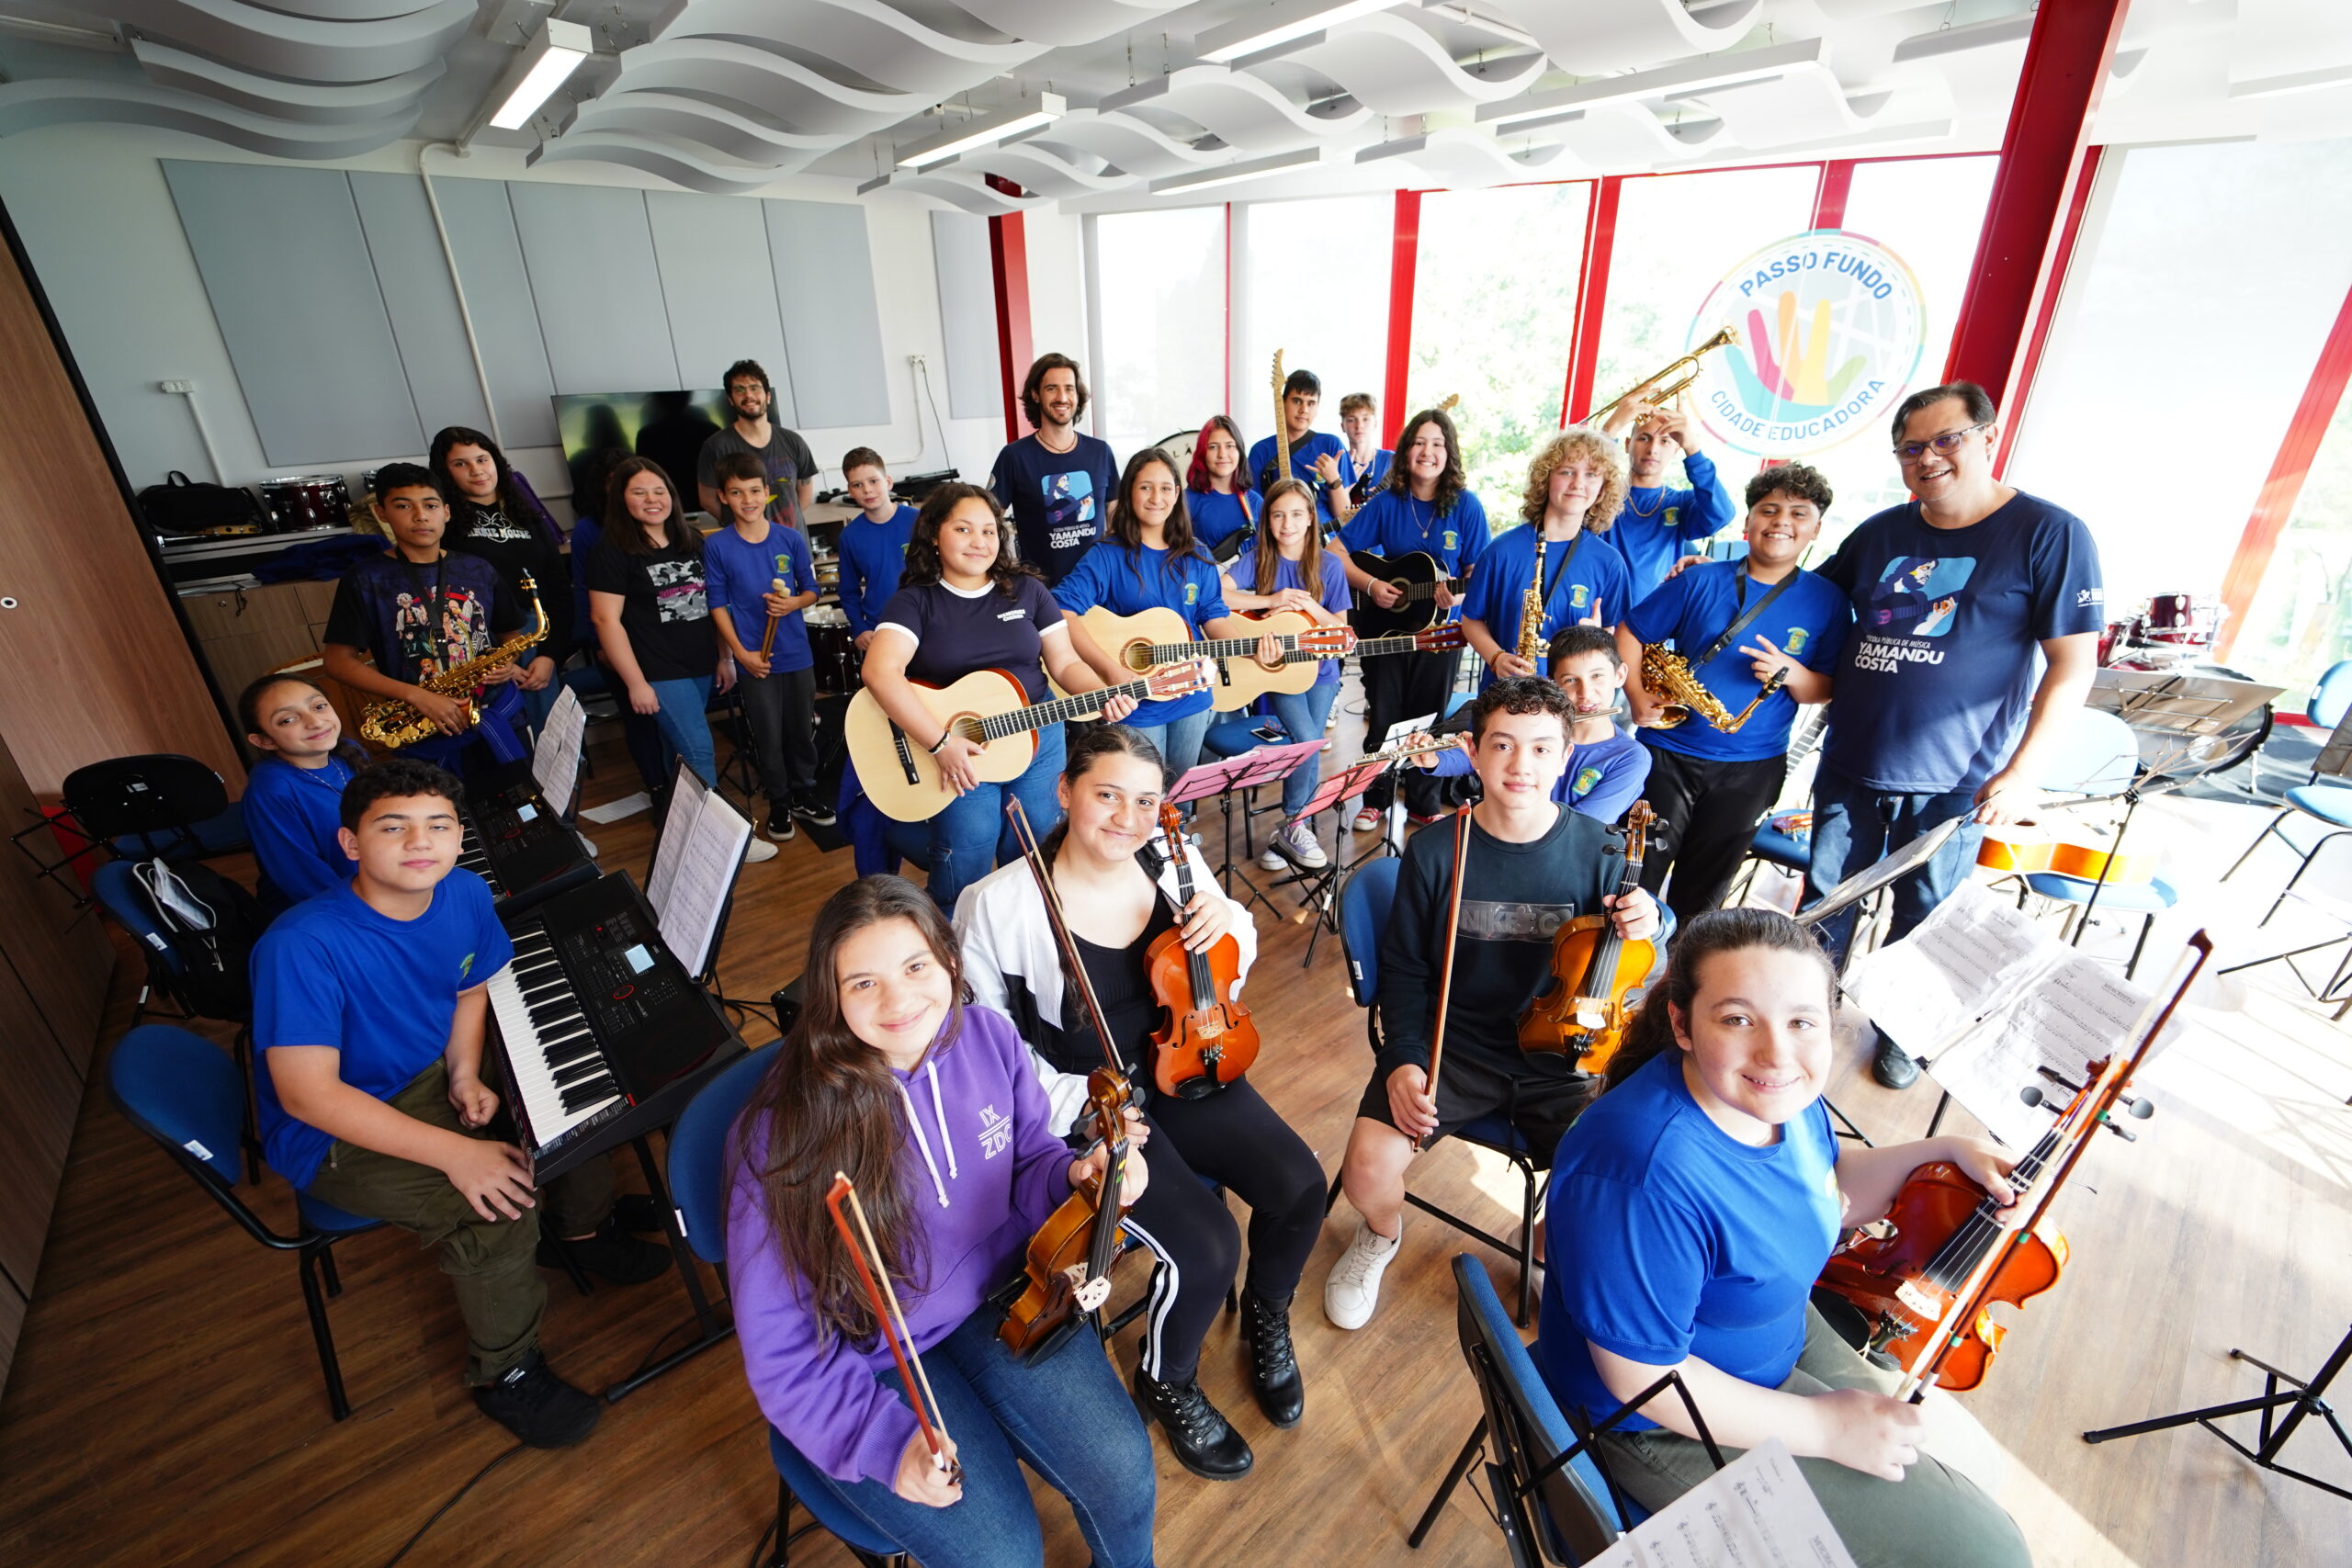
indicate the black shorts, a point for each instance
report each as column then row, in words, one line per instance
column 1539, row 1095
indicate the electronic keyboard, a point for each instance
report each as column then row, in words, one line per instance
column 522, row 848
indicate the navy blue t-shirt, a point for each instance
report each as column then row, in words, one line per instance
column 1393, row 524
column 292, row 815
column 1059, row 500
column 1603, row 778
column 1661, row 524
column 1669, row 1238
column 1330, row 590
column 1219, row 514
column 737, row 574
column 333, row 971
column 871, row 557
column 1302, row 456
column 1590, row 581
column 1126, row 581
column 1808, row 621
column 1939, row 670
column 417, row 621
column 956, row 632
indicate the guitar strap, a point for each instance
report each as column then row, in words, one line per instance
column 1740, row 624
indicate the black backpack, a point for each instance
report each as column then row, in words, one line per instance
column 182, row 506
column 211, row 925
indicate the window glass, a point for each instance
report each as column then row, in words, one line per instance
column 1314, row 283
column 2302, row 618
column 1161, row 362
column 1494, row 315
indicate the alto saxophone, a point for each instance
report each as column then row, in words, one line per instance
column 1531, row 619
column 1667, row 676
column 393, row 723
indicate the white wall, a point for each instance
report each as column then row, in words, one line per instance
column 94, row 215
column 1056, row 242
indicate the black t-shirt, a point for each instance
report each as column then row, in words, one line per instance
column 664, row 609
column 1123, row 985
column 516, row 547
column 785, row 458
column 956, row 632
column 417, row 621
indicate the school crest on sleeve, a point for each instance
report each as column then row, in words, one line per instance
column 466, row 966
column 1586, row 778
column 1191, row 593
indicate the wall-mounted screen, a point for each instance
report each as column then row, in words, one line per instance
column 669, row 427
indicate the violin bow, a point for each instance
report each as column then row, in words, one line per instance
column 1445, row 967
column 1071, row 963
column 2090, row 1109
column 876, row 1278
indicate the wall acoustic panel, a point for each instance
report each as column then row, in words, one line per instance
column 285, row 264
column 498, row 297
column 959, row 253
column 720, row 288
column 824, row 284
column 422, row 304
column 590, row 251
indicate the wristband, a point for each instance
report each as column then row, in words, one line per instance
column 945, row 735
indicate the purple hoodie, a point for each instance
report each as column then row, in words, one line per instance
column 984, row 1169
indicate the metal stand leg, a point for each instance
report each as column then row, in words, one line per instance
column 716, row 1326
column 2296, row 1397
column 1452, row 1479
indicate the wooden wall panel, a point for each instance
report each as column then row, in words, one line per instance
column 36, row 1123
column 96, row 664
column 63, row 962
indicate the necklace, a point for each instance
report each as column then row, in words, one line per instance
column 325, row 778
column 1635, row 507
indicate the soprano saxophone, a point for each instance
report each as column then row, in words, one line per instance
column 393, row 723
column 1666, row 675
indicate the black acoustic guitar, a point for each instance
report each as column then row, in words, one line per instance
column 1415, row 576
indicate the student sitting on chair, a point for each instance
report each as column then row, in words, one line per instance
column 1606, row 767
column 1531, row 864
column 293, row 805
column 1690, row 1210
column 370, row 1003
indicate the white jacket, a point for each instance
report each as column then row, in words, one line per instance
column 1011, row 963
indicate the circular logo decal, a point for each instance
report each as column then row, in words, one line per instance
column 1828, row 329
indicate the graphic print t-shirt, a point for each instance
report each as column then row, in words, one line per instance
column 1059, row 500
column 785, row 458
column 518, row 546
column 417, row 621
column 1940, row 669
column 665, row 609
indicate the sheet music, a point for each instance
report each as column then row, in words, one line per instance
column 709, row 854
column 1756, row 1512
column 1973, row 951
column 2080, row 1011
column 555, row 760
column 686, row 792
column 1404, row 726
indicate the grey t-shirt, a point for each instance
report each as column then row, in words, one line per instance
column 787, row 458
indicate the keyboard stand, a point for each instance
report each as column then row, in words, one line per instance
column 714, row 1325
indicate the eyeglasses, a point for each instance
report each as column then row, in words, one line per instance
column 1945, row 443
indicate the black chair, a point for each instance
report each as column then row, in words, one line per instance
column 161, row 804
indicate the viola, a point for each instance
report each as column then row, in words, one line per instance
column 1066, row 1269
column 1206, row 1038
column 1595, row 974
column 891, row 1322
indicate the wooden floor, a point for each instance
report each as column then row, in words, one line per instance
column 165, row 1408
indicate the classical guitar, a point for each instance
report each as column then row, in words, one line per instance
column 1150, row 639
column 991, row 710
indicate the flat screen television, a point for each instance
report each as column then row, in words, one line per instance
column 669, row 427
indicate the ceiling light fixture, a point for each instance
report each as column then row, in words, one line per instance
column 990, row 128
column 1264, row 29
column 543, row 65
column 2302, row 81
column 1233, row 174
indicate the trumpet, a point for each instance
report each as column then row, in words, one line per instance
column 1666, row 675
column 1676, row 375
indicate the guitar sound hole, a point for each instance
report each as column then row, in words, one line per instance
column 970, row 728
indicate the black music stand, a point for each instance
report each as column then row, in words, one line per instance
column 2297, row 1397
column 714, row 1326
column 1318, row 889
column 1229, row 775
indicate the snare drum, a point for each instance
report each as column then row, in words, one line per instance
column 304, row 503
column 837, row 660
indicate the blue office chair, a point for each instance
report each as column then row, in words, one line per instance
column 2099, row 755
column 698, row 1185
column 181, row 1091
column 1364, row 904
column 1571, row 1514
column 2314, row 812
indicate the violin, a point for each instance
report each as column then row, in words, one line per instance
column 1928, row 1285
column 1595, row 974
column 892, row 1322
column 1206, row 1038
column 1066, row 1268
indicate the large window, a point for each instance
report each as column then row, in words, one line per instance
column 1160, row 284
column 2302, row 618
column 1494, row 315
column 1311, row 279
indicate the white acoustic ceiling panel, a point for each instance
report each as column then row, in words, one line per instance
column 698, row 126
column 798, row 98
column 1390, row 67
column 318, row 103
column 1804, row 104
column 1062, row 22
column 871, row 39
column 80, row 100
column 1239, row 108
column 1456, row 158
column 1588, row 38
column 681, row 165
column 303, row 47
column 958, row 188
column 1039, row 170
column 1128, row 143
column 1621, row 137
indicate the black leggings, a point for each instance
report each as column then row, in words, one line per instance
column 1234, row 1139
column 1398, row 687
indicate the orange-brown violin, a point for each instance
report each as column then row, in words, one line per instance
column 1066, row 1272
column 1207, row 1038
column 1596, row 975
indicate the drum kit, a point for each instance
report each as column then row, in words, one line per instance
column 305, row 503
column 2175, row 633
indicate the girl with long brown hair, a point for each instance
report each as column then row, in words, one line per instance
column 930, row 1106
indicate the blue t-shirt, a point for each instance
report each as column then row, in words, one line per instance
column 1808, row 621
column 1330, row 590
column 1939, row 670
column 1382, row 461
column 334, row 972
column 1669, row 1238
column 871, row 557
column 737, row 574
column 1127, row 582
column 1393, row 524
column 1659, row 525
column 1059, row 500
column 1591, row 580
column 1602, row 779
column 1303, row 456
column 956, row 632
column 1219, row 514
column 292, row 815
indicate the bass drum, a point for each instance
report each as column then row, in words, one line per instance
column 2216, row 754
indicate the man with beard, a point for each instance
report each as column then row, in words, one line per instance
column 791, row 467
column 1057, row 482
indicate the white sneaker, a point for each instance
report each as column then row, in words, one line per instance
column 1352, row 1287
column 758, row 850
column 1302, row 844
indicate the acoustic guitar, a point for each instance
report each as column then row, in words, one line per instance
column 1153, row 638
column 991, row 710
column 1415, row 576
column 2070, row 849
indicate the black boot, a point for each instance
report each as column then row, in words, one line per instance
column 1273, row 1367
column 1202, row 1441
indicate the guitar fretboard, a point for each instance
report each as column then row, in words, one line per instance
column 1037, row 716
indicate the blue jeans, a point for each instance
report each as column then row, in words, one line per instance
column 959, row 846
column 685, row 725
column 1303, row 715
column 1070, row 1419
column 1178, row 740
column 1855, row 827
